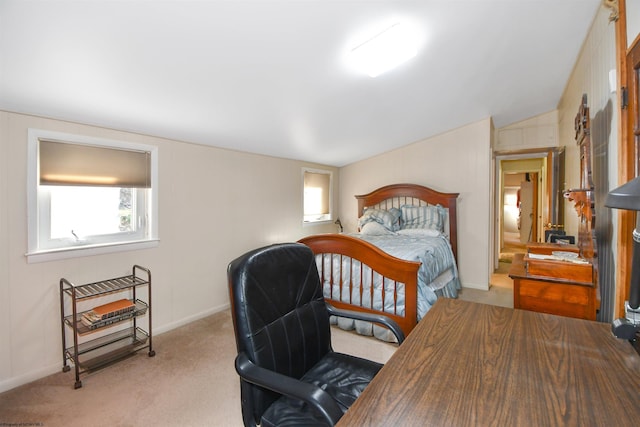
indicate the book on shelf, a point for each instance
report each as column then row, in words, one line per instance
column 107, row 311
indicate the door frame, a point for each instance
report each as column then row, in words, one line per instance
column 628, row 60
column 550, row 176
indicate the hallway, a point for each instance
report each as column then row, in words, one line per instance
column 511, row 246
column 500, row 286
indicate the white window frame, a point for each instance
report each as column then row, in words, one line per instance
column 328, row 217
column 35, row 208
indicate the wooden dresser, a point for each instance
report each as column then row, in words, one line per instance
column 551, row 286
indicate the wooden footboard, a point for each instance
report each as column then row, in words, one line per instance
column 398, row 275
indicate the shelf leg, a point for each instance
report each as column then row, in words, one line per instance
column 76, row 363
column 65, row 366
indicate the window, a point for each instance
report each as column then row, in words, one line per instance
column 88, row 196
column 317, row 195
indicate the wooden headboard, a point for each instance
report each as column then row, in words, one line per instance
column 397, row 195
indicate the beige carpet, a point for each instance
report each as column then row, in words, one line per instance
column 190, row 382
column 511, row 245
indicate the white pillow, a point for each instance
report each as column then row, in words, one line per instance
column 375, row 229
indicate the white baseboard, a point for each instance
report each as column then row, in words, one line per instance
column 29, row 377
column 476, row 286
column 169, row 326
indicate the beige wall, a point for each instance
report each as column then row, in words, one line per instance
column 214, row 204
column 536, row 132
column 458, row 161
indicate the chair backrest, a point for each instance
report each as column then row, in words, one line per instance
column 279, row 315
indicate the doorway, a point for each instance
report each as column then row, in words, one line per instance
column 519, row 212
column 529, row 188
column 520, row 201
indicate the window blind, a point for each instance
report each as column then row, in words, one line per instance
column 319, row 182
column 62, row 163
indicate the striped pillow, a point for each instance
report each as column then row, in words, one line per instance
column 426, row 217
column 390, row 219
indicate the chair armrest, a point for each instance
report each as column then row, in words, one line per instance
column 370, row 317
column 314, row 396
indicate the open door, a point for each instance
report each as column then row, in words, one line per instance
column 554, row 197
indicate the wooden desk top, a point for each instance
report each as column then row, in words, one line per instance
column 469, row 364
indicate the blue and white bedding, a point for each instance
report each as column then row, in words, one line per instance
column 407, row 233
column 436, row 256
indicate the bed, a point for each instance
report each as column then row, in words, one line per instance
column 402, row 259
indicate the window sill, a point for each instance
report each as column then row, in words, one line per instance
column 82, row 251
column 320, row 222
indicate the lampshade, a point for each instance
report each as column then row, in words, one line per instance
column 627, row 196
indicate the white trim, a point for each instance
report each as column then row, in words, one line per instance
column 28, row 377
column 312, row 223
column 185, row 321
column 81, row 251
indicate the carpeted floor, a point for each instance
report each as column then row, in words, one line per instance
column 511, row 245
column 190, row 382
column 500, row 289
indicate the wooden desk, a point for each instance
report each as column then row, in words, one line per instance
column 563, row 296
column 469, row 364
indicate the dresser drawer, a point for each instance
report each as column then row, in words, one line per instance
column 555, row 298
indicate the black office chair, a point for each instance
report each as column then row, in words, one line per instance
column 289, row 374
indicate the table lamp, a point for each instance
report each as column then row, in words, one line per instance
column 627, row 197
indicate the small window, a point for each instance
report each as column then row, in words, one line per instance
column 317, row 195
column 89, row 195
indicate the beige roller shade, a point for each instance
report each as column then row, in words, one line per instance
column 63, row 163
column 318, row 183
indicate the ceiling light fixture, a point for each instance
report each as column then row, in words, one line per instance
column 385, row 51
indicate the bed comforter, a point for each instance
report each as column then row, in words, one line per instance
column 437, row 276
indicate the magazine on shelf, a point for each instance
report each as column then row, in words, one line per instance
column 114, row 310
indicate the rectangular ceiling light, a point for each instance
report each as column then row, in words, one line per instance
column 385, row 51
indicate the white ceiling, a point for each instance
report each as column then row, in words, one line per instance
column 270, row 77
